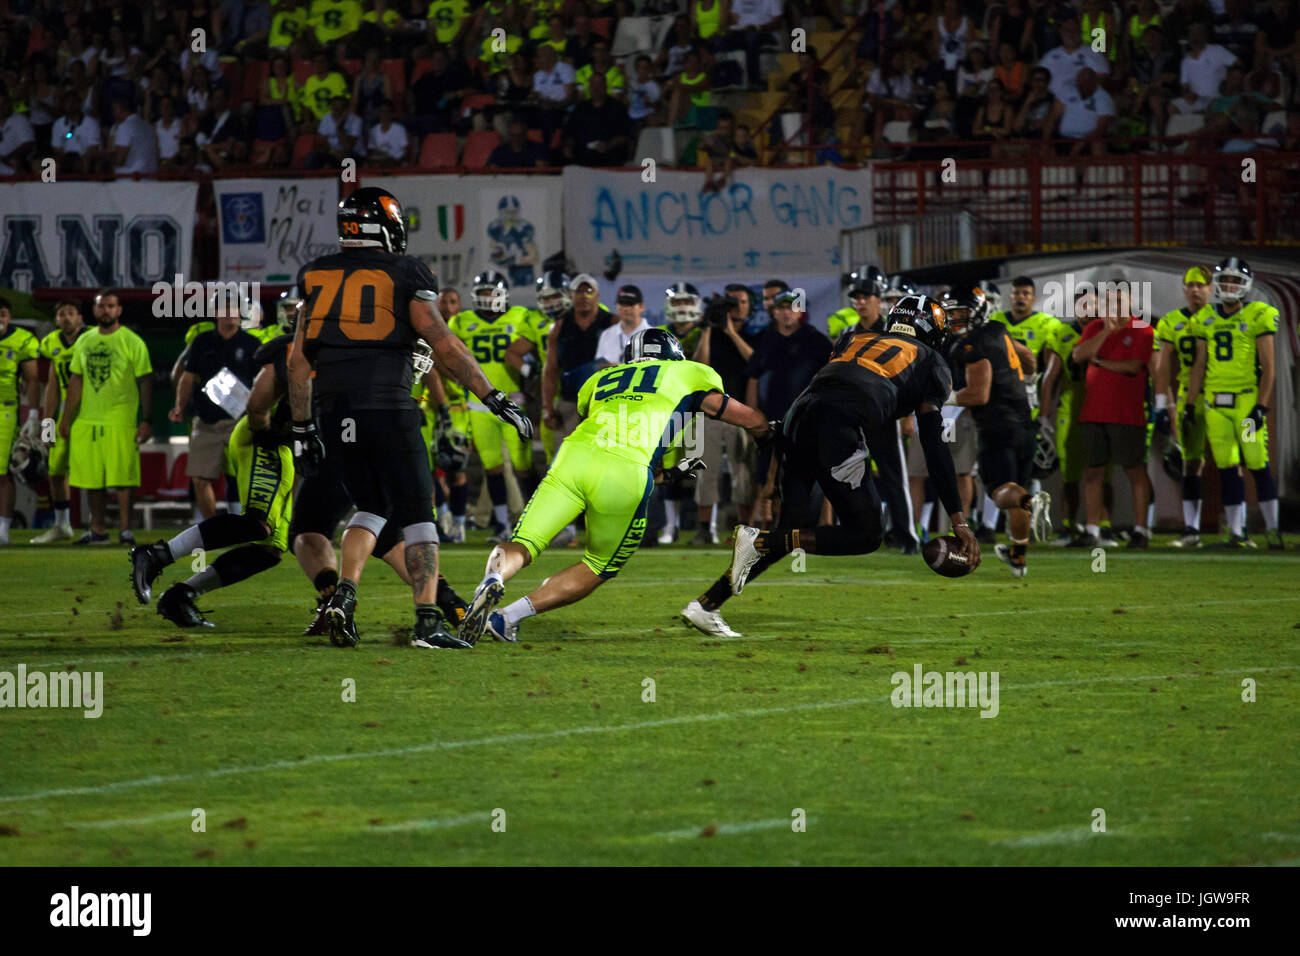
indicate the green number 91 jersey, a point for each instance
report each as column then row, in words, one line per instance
column 636, row 411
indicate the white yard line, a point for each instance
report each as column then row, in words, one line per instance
column 726, row 829
column 434, row 824
column 591, row 729
column 135, row 821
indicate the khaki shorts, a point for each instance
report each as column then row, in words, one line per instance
column 208, row 448
column 719, row 438
column 962, row 448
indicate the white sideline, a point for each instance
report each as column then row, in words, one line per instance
column 567, row 732
column 727, row 829
column 432, row 824
column 1057, row 837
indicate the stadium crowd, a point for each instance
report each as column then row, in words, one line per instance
column 108, row 87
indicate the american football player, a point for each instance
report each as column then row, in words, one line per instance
column 1231, row 340
column 851, row 406
column 57, row 347
column 605, row 472
column 992, row 367
column 19, row 350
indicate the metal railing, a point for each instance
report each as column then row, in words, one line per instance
column 906, row 244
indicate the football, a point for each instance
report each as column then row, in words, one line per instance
column 943, row 555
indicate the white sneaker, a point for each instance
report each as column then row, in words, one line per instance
column 710, row 622
column 457, row 534
column 55, row 533
column 446, row 524
column 669, row 536
column 4, row 538
column 1040, row 516
column 743, row 556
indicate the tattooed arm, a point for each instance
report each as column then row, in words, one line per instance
column 299, row 376
column 450, row 351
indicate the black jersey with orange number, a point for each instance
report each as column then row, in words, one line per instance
column 883, row 376
column 275, row 352
column 1008, row 406
column 359, row 336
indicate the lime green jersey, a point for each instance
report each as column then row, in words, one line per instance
column 634, row 411
column 197, row 329
column 1176, row 329
column 837, row 322
column 1033, row 332
column 488, row 335
column 1230, row 344
column 17, row 346
column 286, row 23
column 615, row 82
column 447, row 17
column 317, row 93
column 333, row 19
column 109, row 366
column 59, row 352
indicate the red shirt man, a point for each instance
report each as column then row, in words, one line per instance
column 1113, row 396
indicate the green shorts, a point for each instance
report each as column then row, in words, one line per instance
column 488, row 433
column 611, row 491
column 107, row 456
column 59, row 457
column 8, row 431
column 1191, row 439
column 1069, row 447
column 264, row 476
column 1232, row 442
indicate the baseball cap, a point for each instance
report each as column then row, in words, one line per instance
column 1196, row 274
column 629, row 295
column 584, row 278
column 786, row 298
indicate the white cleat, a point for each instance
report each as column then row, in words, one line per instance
column 1004, row 554
column 55, row 533
column 1040, row 516
column 743, row 556
column 486, row 598
column 710, row 622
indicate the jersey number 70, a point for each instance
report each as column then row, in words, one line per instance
column 885, row 357
column 361, row 304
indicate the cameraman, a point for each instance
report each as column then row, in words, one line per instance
column 726, row 347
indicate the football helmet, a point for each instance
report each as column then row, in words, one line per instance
column 994, row 296
column 866, row 280
column 28, row 461
column 652, row 344
column 967, row 309
column 452, row 451
column 921, row 317
column 491, row 289
column 683, row 304
column 422, row 358
column 250, row 313
column 508, row 207
column 1232, row 280
column 372, row 217
column 1172, row 462
column 1045, row 460
column 553, row 293
column 286, row 310
column 896, row 287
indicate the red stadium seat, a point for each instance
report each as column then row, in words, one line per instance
column 351, row 68
column 478, row 147
column 153, row 472
column 302, row 148
column 601, row 26
column 301, row 70
column 234, row 84
column 535, row 135
column 476, row 102
column 255, row 72
column 439, row 150
column 420, row 68
column 395, row 70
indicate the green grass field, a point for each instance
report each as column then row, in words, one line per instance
column 1119, row 690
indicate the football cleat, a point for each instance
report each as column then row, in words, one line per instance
column 1235, row 542
column 710, row 622
column 1190, row 540
column 90, row 537
column 1040, row 516
column 446, row 524
column 55, row 533
column 340, row 613
column 669, row 536
column 500, row 534
column 1275, row 542
column 703, row 538
column 1084, row 540
column 1108, row 539
column 431, row 632
column 146, row 564
column 910, row 546
column 1138, row 541
column 319, row 626
column 1017, row 566
column 501, row 629
column 177, row 605
column 744, row 555
column 486, row 598
column 985, row 535
column 126, row 537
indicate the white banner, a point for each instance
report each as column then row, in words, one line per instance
column 764, row 224
column 463, row 225
column 270, row 228
column 95, row 235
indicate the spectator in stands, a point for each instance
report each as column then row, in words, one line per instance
column 168, row 128
column 242, row 26
column 555, row 37
column 153, row 90
column 553, row 91
column 890, row 95
column 117, row 56
column 1085, row 114
column 709, row 19
column 517, row 151
column 1146, row 15
column 603, row 64
column 1154, row 64
column 338, row 137
column 389, row 144
column 952, row 33
column 1097, row 23
column 1235, row 29
column 598, row 132
column 672, row 55
column 882, row 24
column 1065, row 61
column 994, row 120
column 1266, row 80
column 811, row 83
column 435, row 97
column 73, row 48
column 277, row 110
column 691, row 88
column 335, row 20
column 645, row 97
column 578, row 49
column 371, row 87
column 75, row 137
column 1013, row 26
column 1116, row 352
column 17, row 138
column 208, row 61
column 42, row 98
column 1231, row 92
column 1034, row 121
column 1278, row 39
column 135, row 144
column 198, row 97
column 318, row 91
column 720, row 153
column 223, row 135
column 288, row 22
column 752, row 23
column 227, row 347
column 1012, row 73
column 1202, row 71
column 629, row 307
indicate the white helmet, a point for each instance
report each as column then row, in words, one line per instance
column 286, row 309
column 683, row 304
column 491, row 288
column 1240, row 276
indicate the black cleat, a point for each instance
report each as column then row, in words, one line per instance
column 1275, row 542
column 339, row 611
column 910, row 546
column 319, row 626
column 1084, row 540
column 1137, row 541
column 431, row 632
column 147, row 562
column 452, row 606
column 177, row 605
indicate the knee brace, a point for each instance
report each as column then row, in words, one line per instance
column 371, row 522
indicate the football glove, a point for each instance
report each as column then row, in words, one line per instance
column 1189, row 417
column 529, row 368
column 1163, row 423
column 684, row 470
column 1258, row 415
column 308, row 449
column 772, row 436
column 500, row 405
column 442, row 419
